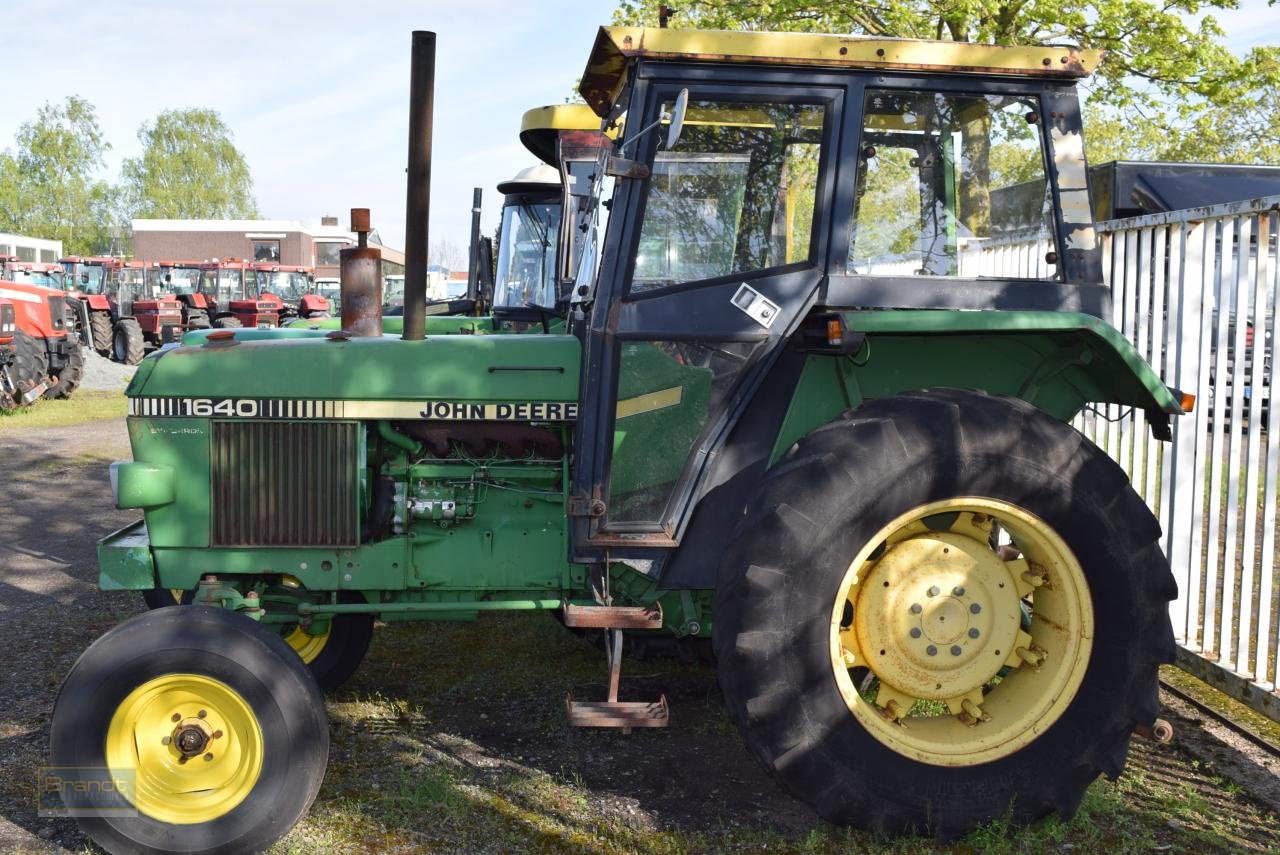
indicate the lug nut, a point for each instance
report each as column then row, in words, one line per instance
column 931, row 650
column 973, row 632
column 176, row 717
column 957, row 591
column 955, row 650
column 166, row 740
column 975, row 608
column 916, row 609
column 915, row 632
column 202, row 713
column 934, row 591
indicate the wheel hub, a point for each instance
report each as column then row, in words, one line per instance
column 937, row 616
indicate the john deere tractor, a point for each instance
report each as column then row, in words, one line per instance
column 777, row 395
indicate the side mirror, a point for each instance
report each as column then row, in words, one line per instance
column 677, row 118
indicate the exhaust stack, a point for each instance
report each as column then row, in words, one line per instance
column 361, row 278
column 417, row 210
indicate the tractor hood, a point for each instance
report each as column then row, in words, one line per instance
column 516, row 368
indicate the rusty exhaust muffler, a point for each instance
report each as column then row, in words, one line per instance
column 361, row 277
column 417, row 209
column 1158, row 731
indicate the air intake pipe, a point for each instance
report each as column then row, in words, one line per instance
column 361, row 281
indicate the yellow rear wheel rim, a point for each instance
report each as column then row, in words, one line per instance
column 193, row 743
column 308, row 646
column 936, row 607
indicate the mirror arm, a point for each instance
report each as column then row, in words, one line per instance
column 620, row 167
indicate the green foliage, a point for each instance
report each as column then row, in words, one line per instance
column 48, row 186
column 1169, row 87
column 189, row 168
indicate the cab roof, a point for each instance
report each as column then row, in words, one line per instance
column 615, row 47
column 540, row 127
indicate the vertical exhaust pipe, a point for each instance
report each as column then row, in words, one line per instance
column 473, row 266
column 361, row 280
column 417, row 209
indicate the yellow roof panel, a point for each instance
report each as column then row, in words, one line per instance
column 540, row 126
column 616, row 46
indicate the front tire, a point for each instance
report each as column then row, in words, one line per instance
column 237, row 768
column 127, row 345
column 101, row 333
column 826, row 647
column 70, row 374
column 31, row 362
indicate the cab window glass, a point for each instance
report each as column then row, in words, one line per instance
column 948, row 184
column 735, row 195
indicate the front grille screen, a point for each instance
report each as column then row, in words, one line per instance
column 285, row 483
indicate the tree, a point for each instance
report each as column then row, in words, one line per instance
column 48, row 183
column 189, row 169
column 1168, row 87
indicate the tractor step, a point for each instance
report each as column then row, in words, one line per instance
column 613, row 617
column 622, row 714
column 35, row 392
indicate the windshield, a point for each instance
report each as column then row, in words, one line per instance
column 287, row 286
column 43, row 278
column 175, row 280
column 526, row 274
column 88, row 278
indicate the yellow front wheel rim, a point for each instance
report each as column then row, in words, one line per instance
column 308, row 646
column 974, row 622
column 193, row 744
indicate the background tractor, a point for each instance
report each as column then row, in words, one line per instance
column 144, row 317
column 180, row 281
column 772, row 397
column 93, row 283
column 10, row 393
column 231, row 289
column 48, row 356
column 293, row 290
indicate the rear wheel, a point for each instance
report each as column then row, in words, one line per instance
column 101, row 332
column 70, row 374
column 214, row 730
column 127, row 344
column 227, row 321
column 198, row 319
column 949, row 608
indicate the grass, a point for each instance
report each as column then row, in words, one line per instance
column 82, row 407
column 452, row 738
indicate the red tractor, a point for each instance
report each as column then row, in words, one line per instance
column 231, row 286
column 10, row 395
column 293, row 291
column 47, row 354
column 92, row 282
column 168, row 281
column 145, row 316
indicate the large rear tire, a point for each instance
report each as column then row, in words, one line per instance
column 213, row 725
column 227, row 322
column 873, row 531
column 100, row 331
column 70, row 374
column 127, row 343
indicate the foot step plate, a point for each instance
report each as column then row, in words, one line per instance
column 623, row 714
column 613, row 617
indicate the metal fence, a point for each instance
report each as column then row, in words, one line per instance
column 1195, row 291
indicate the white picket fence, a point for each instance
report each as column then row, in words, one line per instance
column 1214, row 488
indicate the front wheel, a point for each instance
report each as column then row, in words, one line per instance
column 127, row 344
column 70, row 374
column 948, row 608
column 211, row 732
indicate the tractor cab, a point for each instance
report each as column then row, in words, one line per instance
column 43, row 274
column 89, row 276
column 292, row 289
column 178, row 281
column 231, row 288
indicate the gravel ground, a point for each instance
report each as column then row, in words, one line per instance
column 102, row 374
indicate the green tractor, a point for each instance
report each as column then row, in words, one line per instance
column 781, row 397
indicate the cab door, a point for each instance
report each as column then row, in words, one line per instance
column 709, row 264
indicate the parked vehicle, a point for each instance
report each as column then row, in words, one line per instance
column 933, row 603
column 169, row 281
column 93, row 282
column 10, row 394
column 144, row 317
column 47, row 348
column 293, row 290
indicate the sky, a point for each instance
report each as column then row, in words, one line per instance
column 317, row 93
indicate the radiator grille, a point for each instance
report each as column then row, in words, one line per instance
column 284, row 483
